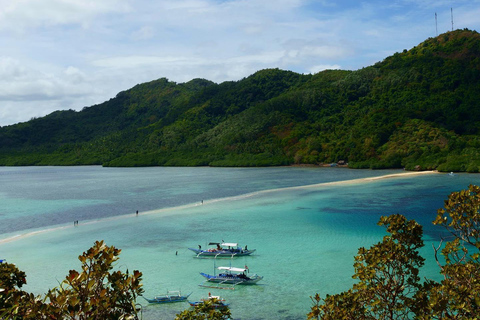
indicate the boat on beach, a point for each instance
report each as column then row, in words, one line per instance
column 217, row 303
column 222, row 249
column 230, row 276
column 169, row 297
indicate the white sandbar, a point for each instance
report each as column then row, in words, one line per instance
column 172, row 210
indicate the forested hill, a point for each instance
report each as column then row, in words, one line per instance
column 418, row 109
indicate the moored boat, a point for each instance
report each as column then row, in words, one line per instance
column 222, row 249
column 232, row 276
column 171, row 296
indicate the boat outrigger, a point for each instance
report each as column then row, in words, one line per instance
column 230, row 276
column 171, row 296
column 222, row 249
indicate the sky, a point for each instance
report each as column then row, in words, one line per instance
column 71, row 54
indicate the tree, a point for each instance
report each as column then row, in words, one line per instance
column 345, row 305
column 204, row 311
column 96, row 292
column 389, row 286
column 387, row 274
column 15, row 303
column 458, row 295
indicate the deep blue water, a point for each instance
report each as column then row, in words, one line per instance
column 305, row 237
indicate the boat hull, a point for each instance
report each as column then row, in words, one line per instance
column 222, row 253
column 168, row 299
column 231, row 279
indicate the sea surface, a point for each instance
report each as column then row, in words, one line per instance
column 306, row 223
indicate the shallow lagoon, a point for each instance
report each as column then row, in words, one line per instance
column 305, row 237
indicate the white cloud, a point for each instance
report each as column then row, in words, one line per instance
column 61, row 54
column 328, row 52
column 197, row 6
column 184, row 68
column 128, row 62
column 13, row 111
column 21, row 15
column 19, row 82
column 75, row 76
column 143, row 33
column 10, row 69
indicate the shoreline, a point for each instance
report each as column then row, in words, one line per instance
column 361, row 180
column 172, row 210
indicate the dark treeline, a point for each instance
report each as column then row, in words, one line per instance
column 417, row 109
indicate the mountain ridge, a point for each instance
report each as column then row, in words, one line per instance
column 416, row 109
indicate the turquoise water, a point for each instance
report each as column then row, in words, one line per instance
column 305, row 237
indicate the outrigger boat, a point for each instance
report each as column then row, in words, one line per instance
column 171, row 296
column 222, row 249
column 231, row 276
column 218, row 302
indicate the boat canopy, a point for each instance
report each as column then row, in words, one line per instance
column 223, row 244
column 229, row 244
column 232, row 269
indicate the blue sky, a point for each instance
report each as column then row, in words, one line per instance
column 68, row 54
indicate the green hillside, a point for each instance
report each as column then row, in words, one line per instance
column 417, row 109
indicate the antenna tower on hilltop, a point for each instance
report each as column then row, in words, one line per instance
column 451, row 13
column 436, row 25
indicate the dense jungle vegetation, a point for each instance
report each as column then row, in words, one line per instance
column 417, row 109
